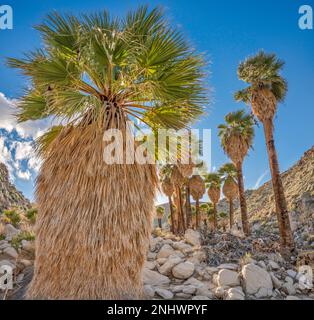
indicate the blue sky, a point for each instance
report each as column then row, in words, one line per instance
column 226, row 31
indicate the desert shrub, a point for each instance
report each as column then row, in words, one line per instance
column 12, row 217
column 24, row 235
column 2, row 231
column 31, row 215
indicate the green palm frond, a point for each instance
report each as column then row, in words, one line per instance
column 262, row 70
column 237, row 123
column 212, row 179
column 227, row 170
column 140, row 63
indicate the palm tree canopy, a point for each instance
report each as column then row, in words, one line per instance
column 213, row 179
column 160, row 211
column 227, row 170
column 138, row 66
column 213, row 183
column 197, row 187
column 262, row 71
column 237, row 134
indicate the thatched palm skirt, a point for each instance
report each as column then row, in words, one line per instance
column 94, row 222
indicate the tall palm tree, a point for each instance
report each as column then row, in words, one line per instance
column 178, row 180
column 267, row 89
column 95, row 72
column 160, row 212
column 197, row 187
column 213, row 183
column 230, row 188
column 186, row 170
column 236, row 139
column 168, row 189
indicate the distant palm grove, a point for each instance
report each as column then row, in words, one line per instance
column 95, row 72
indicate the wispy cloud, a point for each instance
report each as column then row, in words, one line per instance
column 260, row 179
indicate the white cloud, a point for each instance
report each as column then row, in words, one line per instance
column 24, row 175
column 23, row 150
column 260, row 179
column 29, row 129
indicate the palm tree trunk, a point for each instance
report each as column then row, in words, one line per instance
column 188, row 207
column 230, row 213
column 172, row 228
column 244, row 217
column 197, row 213
column 215, row 215
column 182, row 211
column 180, row 215
column 280, row 200
column 93, row 217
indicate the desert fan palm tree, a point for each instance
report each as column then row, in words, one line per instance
column 236, row 137
column 268, row 88
column 213, row 183
column 197, row 188
column 160, row 212
column 168, row 189
column 230, row 188
column 93, row 73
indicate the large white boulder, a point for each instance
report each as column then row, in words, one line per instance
column 166, row 268
column 228, row 278
column 165, row 251
column 183, row 270
column 255, row 278
column 192, row 237
column 154, row 278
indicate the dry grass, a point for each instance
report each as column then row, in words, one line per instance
column 94, row 221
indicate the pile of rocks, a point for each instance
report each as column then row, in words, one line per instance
column 20, row 259
column 181, row 268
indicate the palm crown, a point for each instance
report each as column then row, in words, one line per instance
column 237, row 134
column 227, row 170
column 101, row 68
column 261, row 71
column 212, row 180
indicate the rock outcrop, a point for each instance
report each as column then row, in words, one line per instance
column 9, row 195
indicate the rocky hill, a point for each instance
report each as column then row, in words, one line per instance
column 9, row 195
column 298, row 183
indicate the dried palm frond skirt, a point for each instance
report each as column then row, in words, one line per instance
column 94, row 222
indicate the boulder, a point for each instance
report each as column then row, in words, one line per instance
column 10, row 232
column 183, row 247
column 165, row 251
column 228, row 278
column 235, row 294
column 255, row 278
column 150, row 265
column 172, row 261
column 165, row 294
column 230, row 266
column 192, row 237
column 183, row 270
column 154, row 278
column 11, row 252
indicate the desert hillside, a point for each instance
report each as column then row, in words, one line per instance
column 9, row 195
column 298, row 182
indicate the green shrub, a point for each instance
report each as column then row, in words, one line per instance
column 24, row 235
column 12, row 217
column 31, row 215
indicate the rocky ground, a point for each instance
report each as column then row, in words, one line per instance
column 200, row 265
